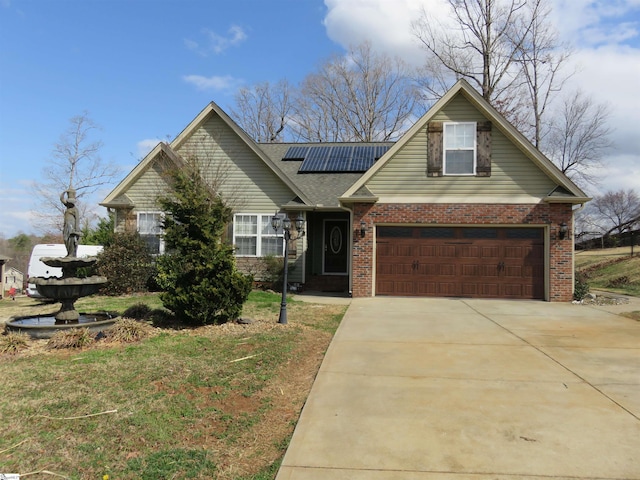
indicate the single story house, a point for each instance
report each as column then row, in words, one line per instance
column 13, row 278
column 3, row 260
column 461, row 205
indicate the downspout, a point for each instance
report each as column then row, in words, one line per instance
column 350, row 257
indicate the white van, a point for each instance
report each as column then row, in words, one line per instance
column 38, row 269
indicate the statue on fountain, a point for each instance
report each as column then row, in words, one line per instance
column 68, row 288
column 70, row 231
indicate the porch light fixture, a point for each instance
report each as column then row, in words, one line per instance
column 277, row 222
column 363, row 228
column 563, row 231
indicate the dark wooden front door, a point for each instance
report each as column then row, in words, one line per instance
column 336, row 246
column 460, row 262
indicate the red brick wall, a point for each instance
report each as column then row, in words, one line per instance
column 560, row 251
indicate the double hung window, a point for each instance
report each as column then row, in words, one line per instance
column 254, row 236
column 150, row 230
column 460, row 148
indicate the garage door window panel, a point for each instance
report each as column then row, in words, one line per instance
column 395, row 232
column 437, row 232
column 480, row 233
column 525, row 233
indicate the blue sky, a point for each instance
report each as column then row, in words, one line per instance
column 143, row 69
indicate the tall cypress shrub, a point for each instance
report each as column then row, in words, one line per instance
column 198, row 274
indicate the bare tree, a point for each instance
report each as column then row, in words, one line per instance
column 578, row 137
column 75, row 162
column 586, row 224
column 362, row 96
column 541, row 57
column 482, row 46
column 617, row 212
column 509, row 50
column 263, row 110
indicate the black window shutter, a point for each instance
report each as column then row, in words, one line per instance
column 483, row 152
column 434, row 149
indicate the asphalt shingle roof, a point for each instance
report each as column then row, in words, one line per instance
column 323, row 189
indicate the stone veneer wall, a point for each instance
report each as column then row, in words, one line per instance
column 560, row 251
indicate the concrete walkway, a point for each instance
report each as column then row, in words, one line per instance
column 425, row 389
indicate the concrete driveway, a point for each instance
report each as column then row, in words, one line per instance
column 423, row 389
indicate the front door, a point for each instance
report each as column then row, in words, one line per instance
column 335, row 246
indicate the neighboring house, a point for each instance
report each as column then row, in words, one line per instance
column 13, row 278
column 461, row 205
column 3, row 260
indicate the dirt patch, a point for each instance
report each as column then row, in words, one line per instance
column 604, row 252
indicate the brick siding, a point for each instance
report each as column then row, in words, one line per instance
column 560, row 251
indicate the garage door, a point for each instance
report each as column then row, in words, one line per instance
column 460, row 262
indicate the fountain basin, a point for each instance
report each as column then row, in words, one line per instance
column 68, row 288
column 45, row 326
column 69, row 262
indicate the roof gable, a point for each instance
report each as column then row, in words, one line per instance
column 485, row 109
column 214, row 109
column 181, row 139
column 118, row 196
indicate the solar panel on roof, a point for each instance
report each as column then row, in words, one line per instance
column 336, row 158
column 296, row 153
column 339, row 159
column 360, row 156
column 316, row 160
column 380, row 151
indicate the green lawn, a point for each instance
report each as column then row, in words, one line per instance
column 613, row 271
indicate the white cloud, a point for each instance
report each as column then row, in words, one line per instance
column 215, row 82
column 623, row 172
column 215, row 43
column 610, row 75
column 146, row 145
column 16, row 215
column 589, row 22
column 385, row 23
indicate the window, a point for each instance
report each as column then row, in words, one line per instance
column 459, row 148
column 150, row 231
column 254, row 236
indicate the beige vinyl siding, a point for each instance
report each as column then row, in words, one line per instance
column 512, row 173
column 151, row 185
column 247, row 183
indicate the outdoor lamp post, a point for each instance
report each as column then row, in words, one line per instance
column 278, row 222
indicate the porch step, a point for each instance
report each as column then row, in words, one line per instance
column 327, row 283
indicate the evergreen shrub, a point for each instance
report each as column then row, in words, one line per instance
column 198, row 276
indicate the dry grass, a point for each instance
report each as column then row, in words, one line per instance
column 72, row 338
column 128, row 330
column 13, row 342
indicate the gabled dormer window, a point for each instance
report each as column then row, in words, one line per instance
column 459, row 148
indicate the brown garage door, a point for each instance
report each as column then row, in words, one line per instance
column 460, row 262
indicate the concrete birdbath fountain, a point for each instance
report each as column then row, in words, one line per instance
column 66, row 289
